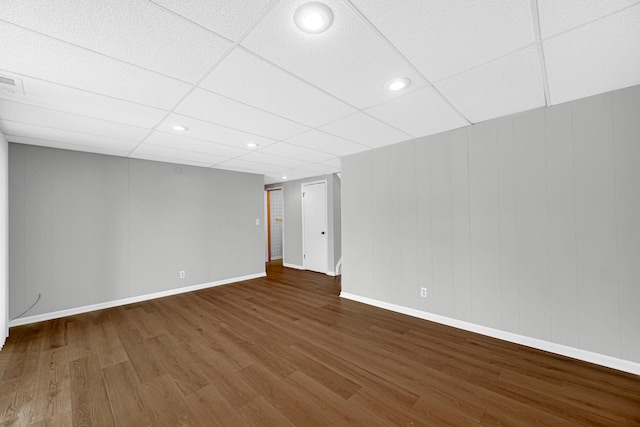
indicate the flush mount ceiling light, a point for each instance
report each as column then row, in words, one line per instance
column 179, row 127
column 252, row 144
column 398, row 84
column 313, row 17
column 284, row 177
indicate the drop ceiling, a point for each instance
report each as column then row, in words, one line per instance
column 115, row 76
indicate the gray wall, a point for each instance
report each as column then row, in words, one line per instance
column 4, row 238
column 528, row 224
column 293, row 219
column 337, row 219
column 89, row 228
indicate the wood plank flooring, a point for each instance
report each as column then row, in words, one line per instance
column 285, row 350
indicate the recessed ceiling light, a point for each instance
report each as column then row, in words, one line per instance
column 252, row 144
column 284, row 177
column 179, row 127
column 398, row 84
column 313, row 17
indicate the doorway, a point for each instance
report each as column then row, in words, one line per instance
column 275, row 224
column 314, row 226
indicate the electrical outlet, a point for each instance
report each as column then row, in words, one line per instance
column 423, row 292
column 183, row 274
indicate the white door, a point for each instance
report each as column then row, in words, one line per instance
column 314, row 226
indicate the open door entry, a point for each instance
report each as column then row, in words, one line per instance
column 275, row 223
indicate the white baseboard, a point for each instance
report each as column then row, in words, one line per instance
column 297, row 267
column 300, row 267
column 125, row 301
column 576, row 353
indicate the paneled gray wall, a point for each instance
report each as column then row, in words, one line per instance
column 337, row 219
column 4, row 239
column 529, row 224
column 293, row 219
column 89, row 228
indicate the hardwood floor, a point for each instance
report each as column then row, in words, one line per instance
column 286, row 350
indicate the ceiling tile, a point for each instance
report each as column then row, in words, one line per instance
column 29, row 114
column 285, row 162
column 419, row 113
column 171, row 153
column 442, row 38
column 349, row 60
column 245, row 166
column 505, row 86
column 328, row 143
column 206, row 131
column 290, row 174
column 58, row 62
column 295, row 94
column 333, row 162
column 137, row 32
column 70, row 100
column 253, row 81
column 595, row 58
column 295, row 152
column 33, row 132
column 67, row 146
column 366, row 130
column 558, row 16
column 217, row 109
column 227, row 18
column 179, row 142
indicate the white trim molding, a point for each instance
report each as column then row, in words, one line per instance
column 266, row 225
column 297, row 267
column 130, row 300
column 338, row 269
column 575, row 353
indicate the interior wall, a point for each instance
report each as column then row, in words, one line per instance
column 4, row 239
column 526, row 224
column 293, row 220
column 90, row 228
column 337, row 219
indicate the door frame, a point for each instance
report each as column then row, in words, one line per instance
column 267, row 218
column 326, row 220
